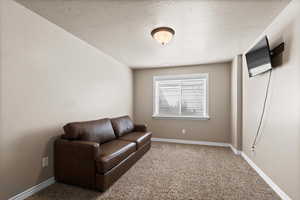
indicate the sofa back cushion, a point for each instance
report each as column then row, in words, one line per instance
column 100, row 131
column 122, row 125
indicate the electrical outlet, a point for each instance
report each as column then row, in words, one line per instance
column 45, row 162
column 253, row 151
column 183, row 131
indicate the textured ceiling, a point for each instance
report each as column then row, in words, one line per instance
column 206, row 30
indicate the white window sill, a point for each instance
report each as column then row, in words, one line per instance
column 181, row 117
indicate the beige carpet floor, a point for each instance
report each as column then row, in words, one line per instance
column 177, row 171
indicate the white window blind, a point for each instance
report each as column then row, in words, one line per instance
column 181, row 96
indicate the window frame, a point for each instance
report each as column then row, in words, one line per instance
column 156, row 79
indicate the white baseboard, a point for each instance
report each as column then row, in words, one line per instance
column 33, row 189
column 235, row 151
column 179, row 141
column 266, row 178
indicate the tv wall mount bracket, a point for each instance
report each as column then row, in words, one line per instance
column 277, row 50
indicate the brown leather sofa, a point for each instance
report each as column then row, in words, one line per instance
column 94, row 154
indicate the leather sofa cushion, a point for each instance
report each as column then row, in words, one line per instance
column 100, row 131
column 112, row 153
column 140, row 138
column 122, row 125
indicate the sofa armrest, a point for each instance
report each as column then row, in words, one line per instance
column 140, row 127
column 74, row 161
column 84, row 150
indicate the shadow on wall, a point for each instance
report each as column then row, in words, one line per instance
column 48, row 172
column 289, row 44
column 30, row 148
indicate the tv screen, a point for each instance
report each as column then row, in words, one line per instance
column 259, row 58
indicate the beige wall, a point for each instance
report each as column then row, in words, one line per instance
column 217, row 129
column 1, row 139
column 236, row 102
column 49, row 78
column 278, row 149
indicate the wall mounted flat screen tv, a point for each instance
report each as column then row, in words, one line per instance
column 259, row 58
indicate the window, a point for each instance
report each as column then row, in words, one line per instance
column 181, row 96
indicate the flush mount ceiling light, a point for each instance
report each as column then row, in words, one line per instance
column 163, row 34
